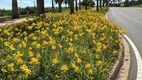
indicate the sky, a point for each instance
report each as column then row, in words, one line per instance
column 7, row 4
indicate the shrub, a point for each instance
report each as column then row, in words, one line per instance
column 61, row 46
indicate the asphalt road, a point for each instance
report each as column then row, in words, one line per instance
column 130, row 19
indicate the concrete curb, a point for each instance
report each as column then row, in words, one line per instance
column 121, row 68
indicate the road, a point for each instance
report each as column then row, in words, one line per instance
column 130, row 19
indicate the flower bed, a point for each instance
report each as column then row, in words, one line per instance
column 61, row 46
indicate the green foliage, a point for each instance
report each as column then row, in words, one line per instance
column 4, row 12
column 90, row 3
column 104, row 10
column 27, row 10
column 62, row 46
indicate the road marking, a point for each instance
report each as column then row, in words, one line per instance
column 138, row 58
column 137, row 54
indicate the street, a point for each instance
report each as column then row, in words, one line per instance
column 130, row 19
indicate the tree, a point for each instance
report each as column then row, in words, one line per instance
column 76, row 5
column 40, row 7
column 15, row 12
column 126, row 3
column 100, row 3
column 66, row 2
column 91, row 3
column 139, row 2
column 53, row 6
column 86, row 1
column 59, row 4
column 79, row 4
column 97, row 6
column 103, row 2
column 71, row 6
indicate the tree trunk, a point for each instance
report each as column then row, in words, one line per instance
column 40, row 7
column 100, row 3
column 97, row 6
column 71, row 6
column 53, row 6
column 60, row 7
column 76, row 5
column 106, row 2
column 85, row 4
column 15, row 13
column 103, row 3
column 79, row 4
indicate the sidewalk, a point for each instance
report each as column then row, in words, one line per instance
column 14, row 21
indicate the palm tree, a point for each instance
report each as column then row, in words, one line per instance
column 79, row 4
column 15, row 13
column 76, row 5
column 53, row 6
column 86, row 2
column 97, row 6
column 59, row 4
column 107, row 2
column 66, row 3
column 71, row 6
column 103, row 3
column 100, row 3
column 40, row 7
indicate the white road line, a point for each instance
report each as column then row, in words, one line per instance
column 138, row 58
column 137, row 54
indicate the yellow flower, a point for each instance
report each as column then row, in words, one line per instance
column 12, row 47
column 64, row 68
column 76, row 36
column 3, row 70
column 27, row 71
column 76, row 69
column 79, row 60
column 84, row 52
column 53, row 46
column 15, row 40
column 70, row 50
column 17, row 55
column 10, row 66
column 38, row 46
column 73, row 65
column 57, row 76
column 97, row 56
column 90, row 72
column 45, row 42
column 23, row 67
column 60, row 45
column 7, row 43
column 31, row 53
column 38, row 56
column 55, row 61
column 24, row 44
column 76, row 55
column 34, row 61
column 19, row 61
column 30, row 27
column 99, row 63
column 114, row 52
column 87, row 66
column 63, row 36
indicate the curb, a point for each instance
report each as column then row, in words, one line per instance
column 121, row 68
